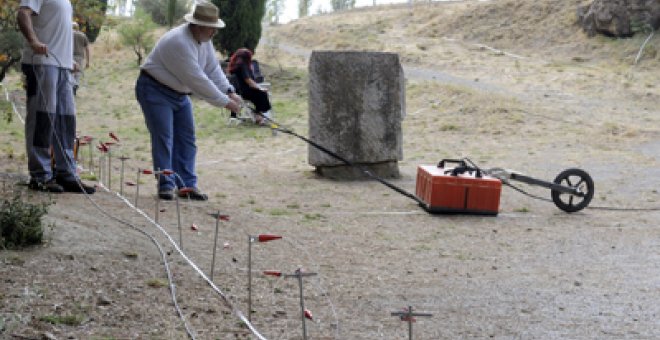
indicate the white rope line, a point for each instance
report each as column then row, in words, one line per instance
column 13, row 106
column 170, row 279
column 224, row 297
column 165, row 264
column 641, row 49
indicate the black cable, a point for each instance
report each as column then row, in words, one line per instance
column 277, row 127
column 526, row 193
column 622, row 209
column 549, row 200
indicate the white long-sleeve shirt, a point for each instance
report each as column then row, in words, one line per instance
column 185, row 65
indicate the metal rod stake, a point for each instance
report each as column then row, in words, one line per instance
column 109, row 170
column 299, row 275
column 178, row 217
column 91, row 157
column 121, row 176
column 157, row 209
column 137, row 188
column 157, row 198
column 101, row 165
column 302, row 307
column 249, row 309
column 408, row 316
column 215, row 243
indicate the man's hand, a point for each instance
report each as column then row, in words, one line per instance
column 38, row 47
column 236, row 98
column 233, row 105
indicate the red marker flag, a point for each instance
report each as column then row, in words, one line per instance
column 272, row 273
column 267, row 237
column 102, row 147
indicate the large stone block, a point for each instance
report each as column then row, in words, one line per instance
column 356, row 105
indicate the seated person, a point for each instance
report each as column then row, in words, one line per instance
column 240, row 68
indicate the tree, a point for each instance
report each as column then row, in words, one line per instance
column 274, row 10
column 90, row 15
column 338, row 5
column 136, row 34
column 11, row 40
column 243, row 20
column 159, row 10
column 303, row 8
column 171, row 11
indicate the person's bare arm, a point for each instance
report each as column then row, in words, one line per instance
column 254, row 85
column 87, row 56
column 24, row 19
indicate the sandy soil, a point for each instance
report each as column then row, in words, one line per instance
column 532, row 272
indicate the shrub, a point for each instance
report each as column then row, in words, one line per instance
column 20, row 223
column 137, row 34
column 158, row 10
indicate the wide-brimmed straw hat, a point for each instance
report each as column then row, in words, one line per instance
column 205, row 14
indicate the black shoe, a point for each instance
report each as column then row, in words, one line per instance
column 76, row 186
column 166, row 194
column 193, row 194
column 50, row 186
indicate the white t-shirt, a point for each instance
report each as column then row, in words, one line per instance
column 185, row 65
column 53, row 26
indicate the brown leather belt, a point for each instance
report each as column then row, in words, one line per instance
column 146, row 74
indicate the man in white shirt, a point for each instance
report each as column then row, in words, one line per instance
column 47, row 61
column 183, row 62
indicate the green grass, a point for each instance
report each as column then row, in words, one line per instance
column 69, row 320
column 157, row 283
column 279, row 212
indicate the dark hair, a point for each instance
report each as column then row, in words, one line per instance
column 241, row 56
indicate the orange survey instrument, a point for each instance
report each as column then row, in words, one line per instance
column 461, row 189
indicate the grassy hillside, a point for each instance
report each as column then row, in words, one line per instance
column 543, row 28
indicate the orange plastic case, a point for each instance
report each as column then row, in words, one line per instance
column 463, row 193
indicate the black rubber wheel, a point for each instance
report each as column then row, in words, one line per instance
column 578, row 179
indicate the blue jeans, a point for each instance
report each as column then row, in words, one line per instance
column 170, row 121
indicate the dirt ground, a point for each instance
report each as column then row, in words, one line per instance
column 526, row 91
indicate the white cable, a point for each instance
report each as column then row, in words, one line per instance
column 61, row 146
column 13, row 105
column 228, row 303
column 641, row 49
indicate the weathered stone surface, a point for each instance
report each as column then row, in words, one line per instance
column 356, row 104
column 344, row 172
column 619, row 18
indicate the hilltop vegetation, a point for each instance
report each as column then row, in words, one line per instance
column 545, row 29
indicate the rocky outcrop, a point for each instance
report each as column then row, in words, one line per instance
column 619, row 18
